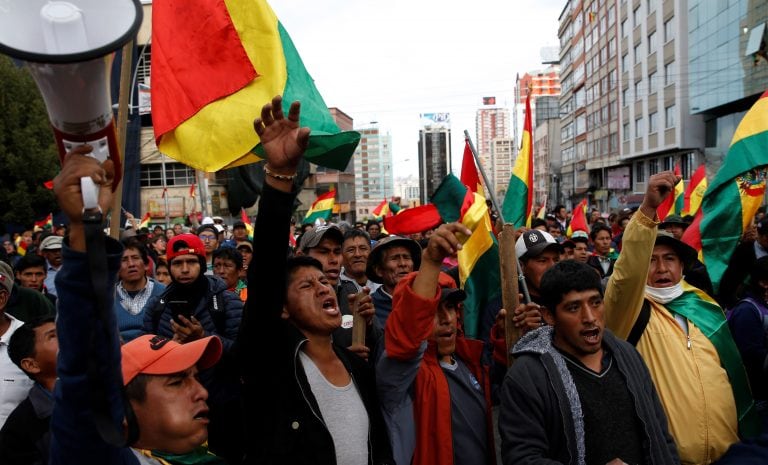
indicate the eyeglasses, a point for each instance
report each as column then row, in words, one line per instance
column 207, row 238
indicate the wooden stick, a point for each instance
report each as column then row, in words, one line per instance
column 121, row 127
column 359, row 324
column 509, row 289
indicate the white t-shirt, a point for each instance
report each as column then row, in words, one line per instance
column 344, row 415
column 14, row 383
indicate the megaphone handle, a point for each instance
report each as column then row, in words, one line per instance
column 90, row 193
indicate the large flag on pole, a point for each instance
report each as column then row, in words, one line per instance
column 519, row 199
column 321, row 208
column 479, row 257
column 214, row 65
column 144, row 223
column 247, row 221
column 45, row 223
column 736, row 192
column 578, row 219
column 695, row 192
column 469, row 176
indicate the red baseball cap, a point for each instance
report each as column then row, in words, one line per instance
column 157, row 355
column 194, row 246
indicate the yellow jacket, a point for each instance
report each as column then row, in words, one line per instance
column 693, row 387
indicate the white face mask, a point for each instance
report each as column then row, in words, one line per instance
column 664, row 295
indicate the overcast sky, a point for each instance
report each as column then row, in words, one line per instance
column 390, row 60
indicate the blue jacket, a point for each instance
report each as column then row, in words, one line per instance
column 74, row 437
column 131, row 325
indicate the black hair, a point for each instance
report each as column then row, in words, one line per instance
column 229, row 253
column 536, row 222
column 22, row 343
column 372, row 223
column 137, row 245
column 353, row 233
column 136, row 390
column 299, row 261
column 29, row 260
column 596, row 228
column 557, row 208
column 566, row 276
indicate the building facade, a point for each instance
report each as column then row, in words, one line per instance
column 434, row 153
column 374, row 180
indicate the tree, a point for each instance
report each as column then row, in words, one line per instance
column 28, row 155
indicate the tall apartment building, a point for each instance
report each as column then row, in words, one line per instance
column 543, row 83
column 374, row 180
column 434, row 153
column 546, row 151
column 494, row 146
column 728, row 64
column 658, row 130
column 589, row 102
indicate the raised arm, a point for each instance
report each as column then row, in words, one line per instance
column 626, row 286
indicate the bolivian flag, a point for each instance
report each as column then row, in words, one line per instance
column 736, row 192
column 45, row 223
column 248, row 226
column 215, row 63
column 382, row 209
column 518, row 202
column 578, row 219
column 695, row 192
column 145, row 221
column 479, row 258
column 321, row 208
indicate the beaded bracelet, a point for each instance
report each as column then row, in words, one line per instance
column 279, row 177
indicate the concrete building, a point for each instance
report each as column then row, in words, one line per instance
column 542, row 83
column 373, row 170
column 434, row 152
column 658, row 130
column 548, row 162
column 407, row 188
column 728, row 65
column 494, row 145
column 499, row 166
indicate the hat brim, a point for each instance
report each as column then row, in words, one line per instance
column 375, row 257
column 203, row 352
column 686, row 253
column 539, row 249
column 452, row 294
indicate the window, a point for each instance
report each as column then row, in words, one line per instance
column 653, row 83
column 669, row 77
column 651, row 42
column 639, row 127
column 636, row 17
column 637, row 53
column 651, row 6
column 625, row 132
column 176, row 174
column 624, row 28
column 625, row 97
column 668, row 163
column 688, row 165
column 581, row 124
column 638, row 86
column 611, row 16
column 653, row 124
column 653, row 166
column 669, row 30
column 623, row 63
column 640, row 171
column 669, row 117
column 612, row 48
column 614, row 143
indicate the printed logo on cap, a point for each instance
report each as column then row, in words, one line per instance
column 157, row 342
column 533, row 237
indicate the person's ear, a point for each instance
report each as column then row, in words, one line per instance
column 548, row 316
column 29, row 365
column 284, row 314
column 4, row 296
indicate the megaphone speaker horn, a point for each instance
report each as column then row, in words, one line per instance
column 68, row 48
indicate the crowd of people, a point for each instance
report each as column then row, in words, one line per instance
column 341, row 344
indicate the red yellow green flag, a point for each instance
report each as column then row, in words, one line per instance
column 144, row 223
column 695, row 192
column 469, row 176
column 578, row 219
column 479, row 257
column 736, row 192
column 321, row 208
column 518, row 202
column 205, row 98
column 46, row 222
column 21, row 247
column 248, row 226
column 382, row 209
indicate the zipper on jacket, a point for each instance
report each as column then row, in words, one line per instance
column 689, row 341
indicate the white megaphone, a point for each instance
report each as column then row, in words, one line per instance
column 68, row 47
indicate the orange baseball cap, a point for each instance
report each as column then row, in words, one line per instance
column 157, row 355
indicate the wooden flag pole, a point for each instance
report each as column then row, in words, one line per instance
column 512, row 279
column 358, row 322
column 122, row 128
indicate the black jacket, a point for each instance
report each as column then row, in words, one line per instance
column 25, row 437
column 538, row 422
column 283, row 422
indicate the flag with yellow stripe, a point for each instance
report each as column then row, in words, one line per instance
column 518, row 202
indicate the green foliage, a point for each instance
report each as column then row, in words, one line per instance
column 28, row 155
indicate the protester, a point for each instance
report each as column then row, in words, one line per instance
column 577, row 394
column 391, row 259
column 239, row 232
column 681, row 334
column 732, row 284
column 50, row 249
column 162, row 273
column 373, row 228
column 748, row 322
column 227, row 265
column 603, row 256
column 355, row 251
column 562, row 218
column 580, row 241
column 25, row 438
column 31, row 272
column 537, row 251
column 193, row 306
column 568, row 246
column 210, row 237
column 246, row 250
column 23, row 303
column 134, row 291
column 167, row 401
column 675, row 225
column 308, row 401
column 434, row 390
